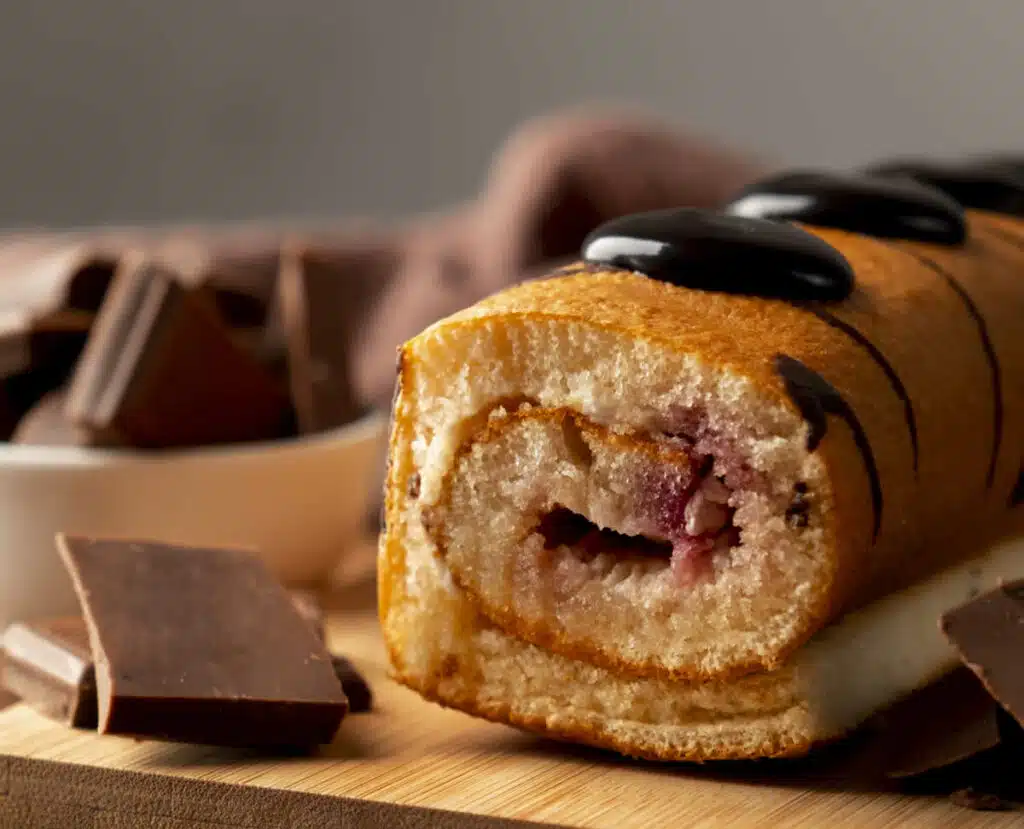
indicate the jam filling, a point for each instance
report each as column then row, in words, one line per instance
column 688, row 527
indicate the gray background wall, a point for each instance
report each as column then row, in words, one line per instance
column 116, row 110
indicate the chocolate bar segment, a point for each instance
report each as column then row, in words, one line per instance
column 988, row 633
column 200, row 645
column 323, row 299
column 160, row 370
column 309, row 296
column 244, row 283
column 48, row 663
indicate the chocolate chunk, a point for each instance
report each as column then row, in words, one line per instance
column 160, row 370
column 48, row 664
column 47, row 424
column 201, row 646
column 241, row 277
column 239, row 263
column 360, row 697
column 988, row 633
column 891, row 208
column 315, row 295
column 716, row 252
column 243, row 283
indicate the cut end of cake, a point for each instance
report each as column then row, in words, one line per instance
column 611, row 501
column 643, row 553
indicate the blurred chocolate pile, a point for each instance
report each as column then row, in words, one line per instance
column 202, row 336
column 183, row 340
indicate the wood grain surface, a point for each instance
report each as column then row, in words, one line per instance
column 411, row 764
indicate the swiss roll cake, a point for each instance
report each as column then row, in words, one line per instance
column 704, row 493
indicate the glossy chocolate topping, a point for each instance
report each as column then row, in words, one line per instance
column 984, row 185
column 816, row 398
column 717, row 252
column 887, row 207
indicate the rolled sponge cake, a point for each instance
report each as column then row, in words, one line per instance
column 610, row 518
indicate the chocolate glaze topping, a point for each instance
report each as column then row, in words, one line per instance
column 985, row 185
column 716, row 252
column 888, row 207
column 816, row 398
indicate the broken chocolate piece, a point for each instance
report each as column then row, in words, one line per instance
column 48, row 663
column 988, row 633
column 243, row 283
column 201, row 646
column 357, row 689
column 319, row 301
column 160, row 370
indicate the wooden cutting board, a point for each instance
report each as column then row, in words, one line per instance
column 412, row 764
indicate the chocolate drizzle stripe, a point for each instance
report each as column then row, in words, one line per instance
column 890, row 372
column 816, row 398
column 987, row 348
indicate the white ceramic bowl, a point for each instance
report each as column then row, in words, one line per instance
column 297, row 502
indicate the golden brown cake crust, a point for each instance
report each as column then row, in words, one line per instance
column 946, row 321
column 768, row 745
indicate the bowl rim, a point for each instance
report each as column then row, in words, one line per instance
column 35, row 455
